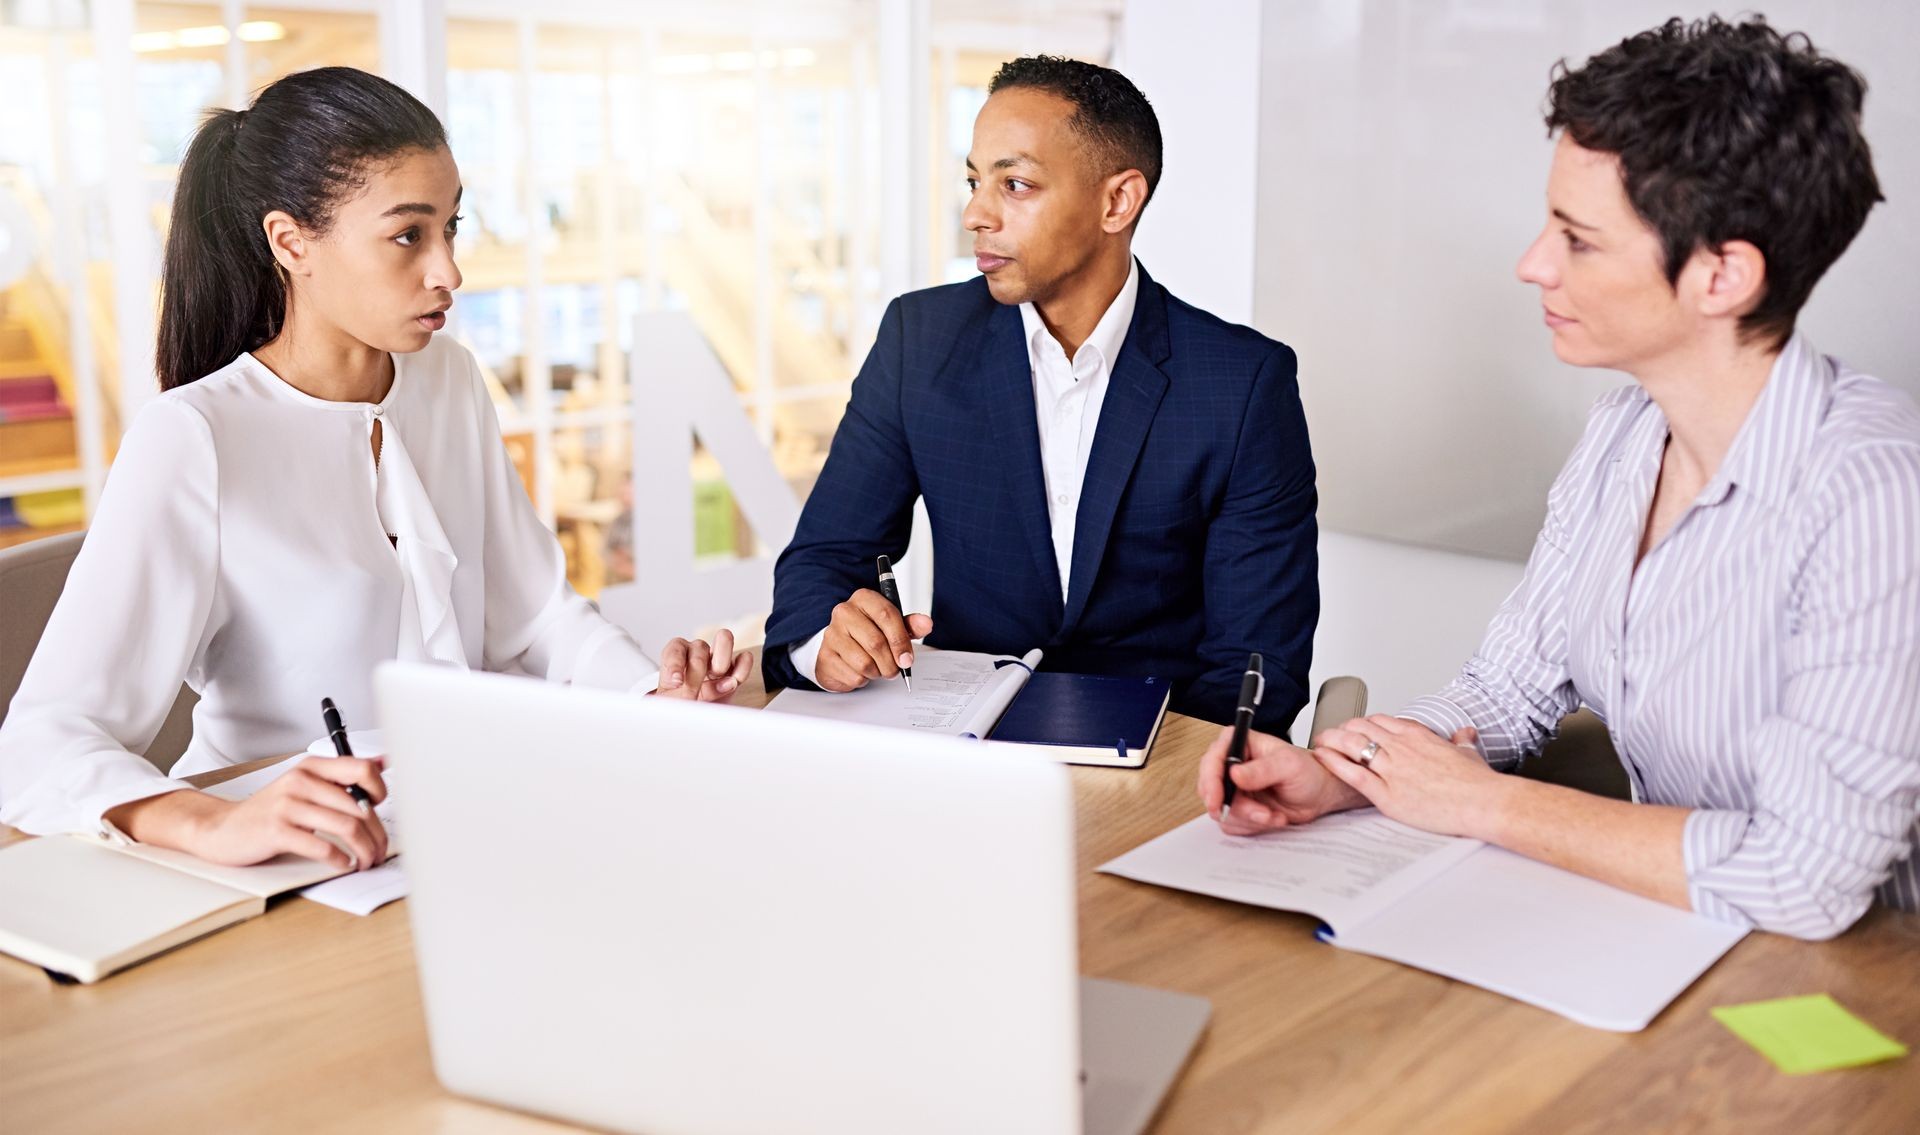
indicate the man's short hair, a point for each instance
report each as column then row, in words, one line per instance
column 1730, row 132
column 1109, row 112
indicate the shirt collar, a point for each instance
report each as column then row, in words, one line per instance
column 1765, row 453
column 1109, row 335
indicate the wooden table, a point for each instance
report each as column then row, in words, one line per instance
column 309, row 1019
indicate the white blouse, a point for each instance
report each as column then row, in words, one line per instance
column 242, row 545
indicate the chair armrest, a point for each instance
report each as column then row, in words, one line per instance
column 1341, row 699
column 1581, row 756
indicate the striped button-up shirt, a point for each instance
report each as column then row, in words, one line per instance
column 1761, row 666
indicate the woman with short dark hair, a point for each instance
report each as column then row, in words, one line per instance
column 320, row 487
column 1729, row 573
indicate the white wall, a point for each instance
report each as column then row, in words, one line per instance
column 1199, row 65
column 1402, row 167
column 1380, row 622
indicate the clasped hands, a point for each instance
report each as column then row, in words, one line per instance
column 1399, row 766
column 695, row 671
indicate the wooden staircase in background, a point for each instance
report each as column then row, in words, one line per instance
column 37, row 436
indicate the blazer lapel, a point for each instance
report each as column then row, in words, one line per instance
column 1134, row 391
column 1009, row 392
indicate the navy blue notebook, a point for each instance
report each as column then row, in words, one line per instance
column 1086, row 719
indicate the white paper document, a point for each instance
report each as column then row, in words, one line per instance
column 362, row 892
column 1457, row 907
column 1340, row 869
column 363, row 742
column 955, row 692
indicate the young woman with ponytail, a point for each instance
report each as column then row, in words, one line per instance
column 320, row 487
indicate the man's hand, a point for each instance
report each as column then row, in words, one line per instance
column 867, row 639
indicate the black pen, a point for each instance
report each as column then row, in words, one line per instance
column 337, row 732
column 892, row 592
column 1252, row 688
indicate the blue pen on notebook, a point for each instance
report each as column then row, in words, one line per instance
column 1253, row 686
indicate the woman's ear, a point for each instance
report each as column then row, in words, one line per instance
column 1736, row 280
column 287, row 242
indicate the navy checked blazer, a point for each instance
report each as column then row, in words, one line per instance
column 1195, row 539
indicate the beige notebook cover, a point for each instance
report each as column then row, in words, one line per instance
column 75, row 907
column 84, row 907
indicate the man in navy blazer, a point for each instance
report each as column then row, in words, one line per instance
column 1110, row 474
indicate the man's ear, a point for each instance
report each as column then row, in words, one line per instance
column 1126, row 195
column 1731, row 280
column 287, row 241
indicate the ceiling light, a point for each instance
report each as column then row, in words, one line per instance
column 210, row 35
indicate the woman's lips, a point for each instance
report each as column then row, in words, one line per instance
column 1557, row 321
column 433, row 321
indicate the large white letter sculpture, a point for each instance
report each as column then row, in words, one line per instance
column 680, row 390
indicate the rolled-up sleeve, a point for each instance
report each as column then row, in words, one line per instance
column 1837, row 768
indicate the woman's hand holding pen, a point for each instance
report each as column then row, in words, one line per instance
column 698, row 672
column 1279, row 785
column 1439, row 785
column 293, row 813
column 867, row 638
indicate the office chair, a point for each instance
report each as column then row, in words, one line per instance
column 31, row 577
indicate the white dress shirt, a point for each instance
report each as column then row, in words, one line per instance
column 1067, row 396
column 247, row 544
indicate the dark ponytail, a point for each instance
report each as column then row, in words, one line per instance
column 302, row 147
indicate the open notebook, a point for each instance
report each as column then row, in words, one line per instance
column 1457, row 907
column 84, row 907
column 1084, row 719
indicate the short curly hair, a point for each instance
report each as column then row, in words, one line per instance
column 1110, row 113
column 1730, row 132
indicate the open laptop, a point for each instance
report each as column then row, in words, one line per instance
column 678, row 919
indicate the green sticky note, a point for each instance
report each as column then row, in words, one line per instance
column 1808, row 1034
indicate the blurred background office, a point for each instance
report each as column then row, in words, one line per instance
column 745, row 185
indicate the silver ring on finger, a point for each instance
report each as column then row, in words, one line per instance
column 1365, row 759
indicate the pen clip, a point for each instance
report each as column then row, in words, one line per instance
column 1253, row 687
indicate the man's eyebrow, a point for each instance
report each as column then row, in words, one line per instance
column 1562, row 214
column 421, row 208
column 1020, row 158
